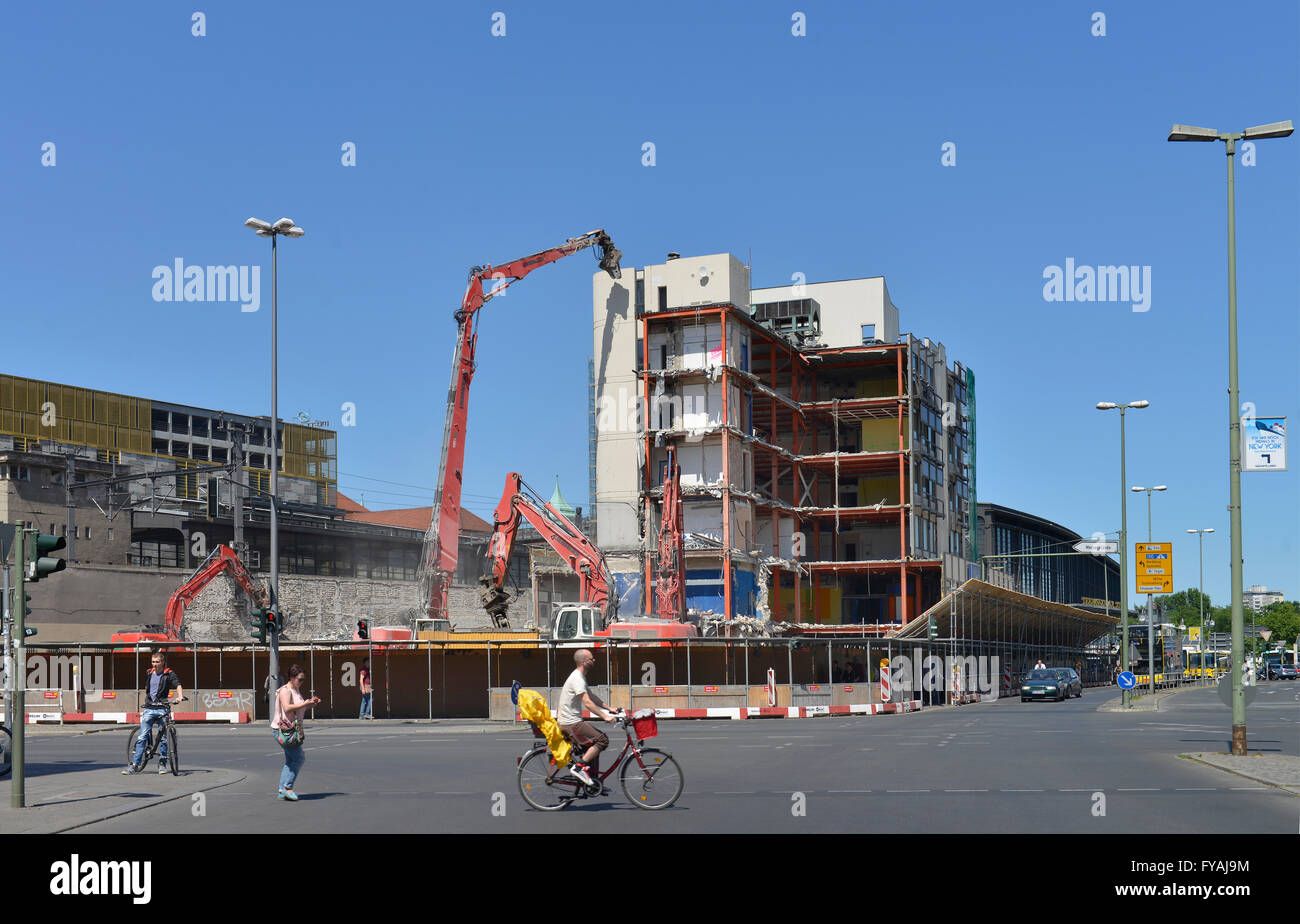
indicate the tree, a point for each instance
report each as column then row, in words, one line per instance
column 1283, row 618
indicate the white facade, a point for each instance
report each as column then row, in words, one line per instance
column 845, row 306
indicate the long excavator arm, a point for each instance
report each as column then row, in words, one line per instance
column 220, row 560
column 520, row 502
column 439, row 557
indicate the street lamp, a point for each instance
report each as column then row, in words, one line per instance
column 1151, row 633
column 1230, row 139
column 286, row 228
column 1123, row 533
column 1200, row 600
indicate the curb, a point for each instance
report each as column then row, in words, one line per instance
column 1293, row 790
column 137, row 808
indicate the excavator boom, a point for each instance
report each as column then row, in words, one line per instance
column 520, row 502
column 438, row 561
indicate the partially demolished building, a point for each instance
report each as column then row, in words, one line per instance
column 827, row 462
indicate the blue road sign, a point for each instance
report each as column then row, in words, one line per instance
column 514, row 692
column 1126, row 680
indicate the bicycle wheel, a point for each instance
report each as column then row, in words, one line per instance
column 6, row 751
column 541, row 793
column 130, row 746
column 173, row 754
column 653, row 783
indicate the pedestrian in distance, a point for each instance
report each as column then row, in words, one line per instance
column 162, row 681
column 1040, row 665
column 367, row 707
column 286, row 721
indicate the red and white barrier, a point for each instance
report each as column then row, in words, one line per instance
column 885, row 692
column 782, row 712
column 132, row 718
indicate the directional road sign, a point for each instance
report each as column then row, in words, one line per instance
column 1126, row 680
column 1097, row 547
column 1155, row 567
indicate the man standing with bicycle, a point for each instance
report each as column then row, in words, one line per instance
column 573, row 697
column 161, row 682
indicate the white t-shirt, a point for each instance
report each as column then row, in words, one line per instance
column 570, row 711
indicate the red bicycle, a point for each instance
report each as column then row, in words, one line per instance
column 650, row 778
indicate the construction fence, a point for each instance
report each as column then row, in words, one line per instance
column 428, row 680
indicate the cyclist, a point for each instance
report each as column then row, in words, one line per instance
column 573, row 697
column 162, row 681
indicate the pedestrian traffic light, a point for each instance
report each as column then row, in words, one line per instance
column 260, row 624
column 272, row 622
column 932, row 631
column 39, row 564
column 212, row 498
column 363, row 629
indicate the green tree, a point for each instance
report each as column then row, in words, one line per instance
column 1283, row 618
column 1184, row 607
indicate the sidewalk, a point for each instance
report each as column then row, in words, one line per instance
column 61, row 798
column 1278, row 770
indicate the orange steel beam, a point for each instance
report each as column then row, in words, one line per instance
column 902, row 498
column 648, row 476
column 726, row 475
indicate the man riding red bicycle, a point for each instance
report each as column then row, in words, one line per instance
column 588, row 739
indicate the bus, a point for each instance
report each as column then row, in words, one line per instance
column 1208, row 664
column 1168, row 660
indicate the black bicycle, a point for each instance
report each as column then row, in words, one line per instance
column 165, row 727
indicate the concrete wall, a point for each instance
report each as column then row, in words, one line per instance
column 88, row 603
column 614, row 341
column 845, row 306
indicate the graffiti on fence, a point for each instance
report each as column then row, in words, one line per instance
column 236, row 701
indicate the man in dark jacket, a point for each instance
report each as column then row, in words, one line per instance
column 158, row 688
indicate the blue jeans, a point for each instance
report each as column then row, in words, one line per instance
column 149, row 718
column 365, row 705
column 294, row 758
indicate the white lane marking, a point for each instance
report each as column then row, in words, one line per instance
column 907, row 790
column 1020, row 790
column 1136, row 789
column 1194, row 789
column 1248, row 788
column 736, row 792
column 965, row 790
column 848, row 790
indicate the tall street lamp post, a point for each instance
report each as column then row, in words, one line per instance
column 1230, row 139
column 1123, row 534
column 1151, row 632
column 1200, row 538
column 284, row 227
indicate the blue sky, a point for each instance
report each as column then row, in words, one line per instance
column 818, row 154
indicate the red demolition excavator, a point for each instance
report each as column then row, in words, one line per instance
column 438, row 561
column 593, row 616
column 221, row 560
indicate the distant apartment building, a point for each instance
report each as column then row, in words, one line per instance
column 1258, row 596
column 827, row 461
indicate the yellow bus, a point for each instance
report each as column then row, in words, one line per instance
column 1208, row 664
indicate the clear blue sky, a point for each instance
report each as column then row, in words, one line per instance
column 820, row 154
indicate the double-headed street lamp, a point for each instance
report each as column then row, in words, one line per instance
column 1200, row 537
column 1195, row 133
column 1123, row 532
column 1151, row 632
column 284, row 227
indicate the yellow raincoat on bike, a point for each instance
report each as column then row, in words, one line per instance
column 532, row 706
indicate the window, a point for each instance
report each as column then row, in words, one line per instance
column 663, row 298
column 87, row 532
column 868, row 333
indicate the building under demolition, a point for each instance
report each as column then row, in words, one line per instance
column 827, row 462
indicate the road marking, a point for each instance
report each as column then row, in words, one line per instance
column 702, row 738
column 848, row 790
column 965, row 790
column 1248, row 788
column 736, row 792
column 1079, row 790
column 1194, row 789
column 1020, row 790
column 454, row 793
column 755, row 745
column 1138, row 789
column 907, row 790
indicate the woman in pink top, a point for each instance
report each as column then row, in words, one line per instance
column 289, row 708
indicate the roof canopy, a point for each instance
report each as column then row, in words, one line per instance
column 980, row 611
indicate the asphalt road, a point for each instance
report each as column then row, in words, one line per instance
column 996, row 767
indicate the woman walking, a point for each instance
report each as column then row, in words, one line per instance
column 286, row 721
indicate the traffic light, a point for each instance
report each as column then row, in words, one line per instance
column 212, row 498
column 932, row 631
column 39, row 564
column 272, row 622
column 260, row 624
column 363, row 629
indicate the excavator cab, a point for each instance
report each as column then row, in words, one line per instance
column 575, row 621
